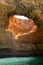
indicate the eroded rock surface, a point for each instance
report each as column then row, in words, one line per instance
column 21, row 25
column 32, row 9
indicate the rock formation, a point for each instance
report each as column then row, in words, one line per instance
column 33, row 9
column 21, row 25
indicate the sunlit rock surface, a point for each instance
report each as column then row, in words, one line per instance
column 21, row 25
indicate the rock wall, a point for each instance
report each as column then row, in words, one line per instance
column 30, row 8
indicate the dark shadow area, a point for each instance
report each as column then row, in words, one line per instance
column 25, row 46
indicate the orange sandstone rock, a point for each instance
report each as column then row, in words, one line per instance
column 21, row 25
